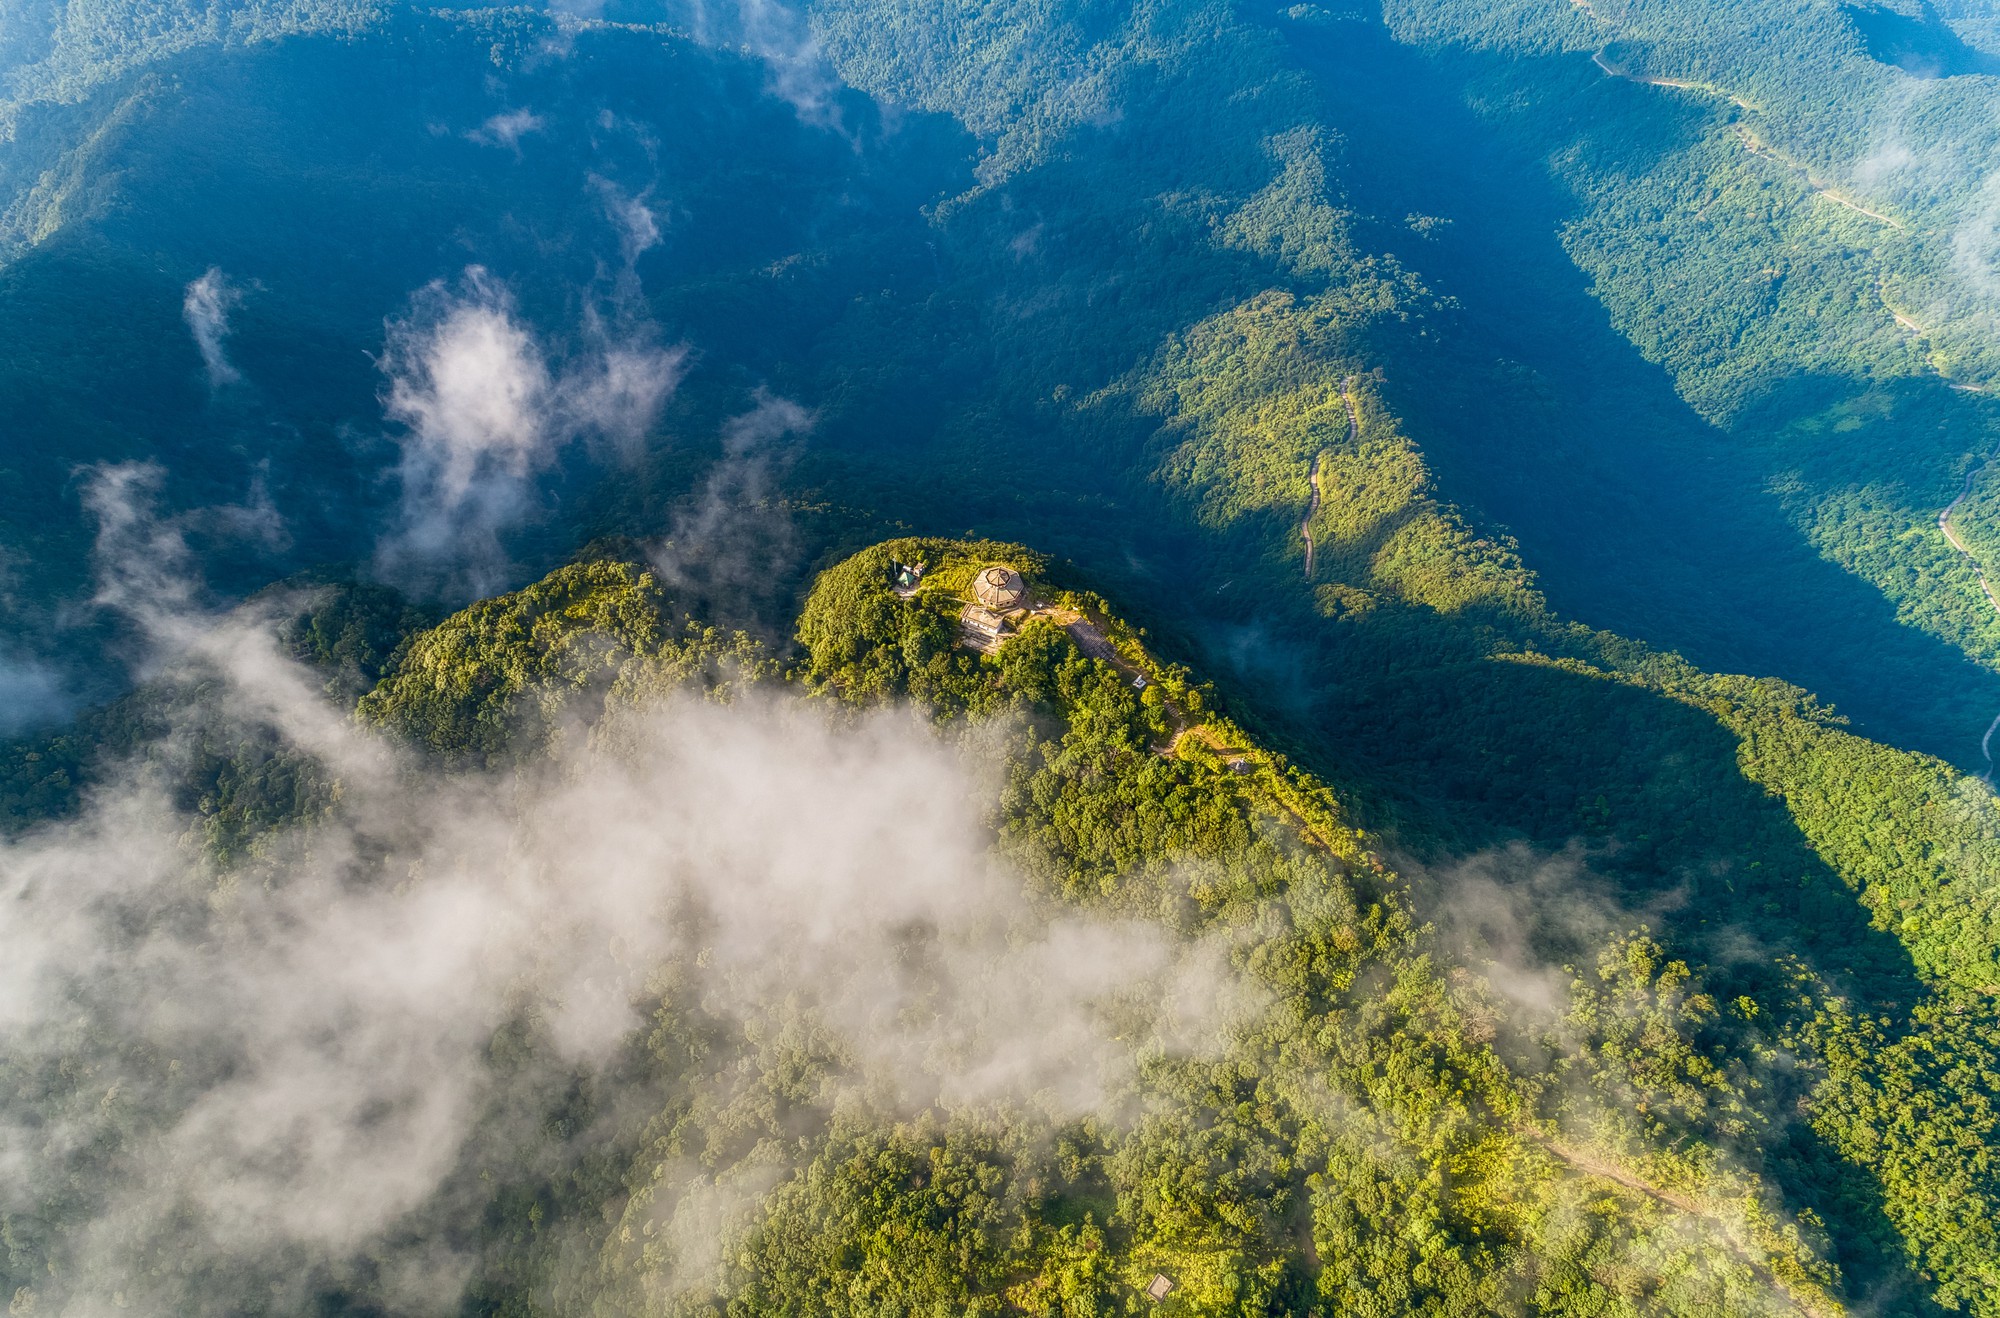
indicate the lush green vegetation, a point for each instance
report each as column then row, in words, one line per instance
column 500, row 678
column 1713, row 176
column 986, row 230
column 1705, row 1020
column 238, row 780
column 1398, row 1125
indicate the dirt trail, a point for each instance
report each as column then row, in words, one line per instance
column 1319, row 462
column 1678, row 84
column 1312, row 511
column 1758, row 147
column 1951, row 538
column 1752, row 143
column 1095, row 645
column 1592, row 1165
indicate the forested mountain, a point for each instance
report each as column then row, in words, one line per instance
column 513, row 804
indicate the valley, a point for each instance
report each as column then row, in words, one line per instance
column 870, row 658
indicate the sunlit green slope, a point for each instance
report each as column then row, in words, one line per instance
column 1543, row 1108
column 1784, row 214
column 1603, row 320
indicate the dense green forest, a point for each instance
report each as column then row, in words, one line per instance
column 1479, row 816
column 1558, row 1108
column 1581, row 354
column 1781, row 221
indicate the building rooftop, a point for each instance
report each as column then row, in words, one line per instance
column 999, row 589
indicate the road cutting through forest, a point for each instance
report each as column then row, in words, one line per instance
column 1678, row 84
column 1592, row 1165
column 1951, row 538
column 1747, row 138
column 1758, row 147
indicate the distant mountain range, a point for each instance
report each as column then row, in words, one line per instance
column 492, row 838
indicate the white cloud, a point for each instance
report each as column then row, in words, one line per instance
column 31, row 692
column 288, row 1063
column 206, row 307
column 797, row 70
column 483, row 413
column 638, row 227
column 507, row 129
column 732, row 542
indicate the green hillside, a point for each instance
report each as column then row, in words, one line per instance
column 1477, row 810
column 1393, row 1123
column 1016, row 251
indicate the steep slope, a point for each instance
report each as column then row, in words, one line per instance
column 648, row 193
column 1398, row 1115
column 1698, row 197
column 942, row 287
column 1327, row 1123
column 1137, row 302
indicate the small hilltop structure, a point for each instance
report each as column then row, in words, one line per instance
column 999, row 602
column 906, row 577
column 999, row 589
column 988, row 593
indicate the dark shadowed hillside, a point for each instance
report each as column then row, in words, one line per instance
column 882, row 658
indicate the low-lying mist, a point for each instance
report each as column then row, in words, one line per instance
column 229, row 1080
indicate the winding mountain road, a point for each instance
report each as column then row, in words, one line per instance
column 1746, row 136
column 1951, row 538
column 1319, row 461
column 1758, row 147
column 1678, row 84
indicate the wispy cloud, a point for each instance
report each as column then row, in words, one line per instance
column 732, row 543
column 206, row 307
column 637, row 224
column 507, row 129
column 146, row 571
column 483, row 413
column 31, row 693
column 797, row 70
